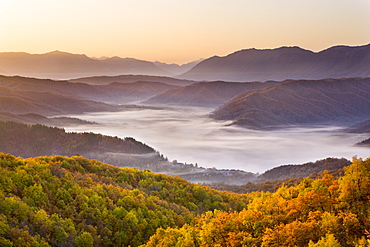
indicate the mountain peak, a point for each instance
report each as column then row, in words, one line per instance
column 279, row 49
column 62, row 53
column 56, row 52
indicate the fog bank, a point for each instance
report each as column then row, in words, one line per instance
column 188, row 135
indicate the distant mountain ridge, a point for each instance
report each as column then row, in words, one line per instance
column 20, row 95
column 284, row 63
column 103, row 80
column 300, row 102
column 63, row 65
column 241, row 66
column 46, row 103
column 176, row 69
column 205, row 94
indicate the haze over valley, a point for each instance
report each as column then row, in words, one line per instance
column 189, row 135
column 250, row 126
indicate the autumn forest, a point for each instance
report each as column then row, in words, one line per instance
column 61, row 201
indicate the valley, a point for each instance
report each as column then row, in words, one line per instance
column 222, row 126
column 189, row 135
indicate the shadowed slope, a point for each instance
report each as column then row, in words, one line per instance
column 103, row 80
column 205, row 93
column 117, row 93
column 300, row 102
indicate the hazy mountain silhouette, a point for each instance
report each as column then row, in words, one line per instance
column 365, row 143
column 245, row 65
column 132, row 92
column 284, row 63
column 175, row 69
column 210, row 94
column 45, row 103
column 31, row 100
column 103, row 80
column 63, row 65
column 117, row 93
column 33, row 118
column 301, row 102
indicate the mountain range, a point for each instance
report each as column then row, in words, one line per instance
column 63, row 65
column 251, row 104
column 20, row 95
column 284, row 63
column 241, row 66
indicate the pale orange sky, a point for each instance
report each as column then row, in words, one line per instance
column 179, row 31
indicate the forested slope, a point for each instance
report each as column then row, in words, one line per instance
column 304, row 170
column 316, row 212
column 60, row 201
column 35, row 140
column 289, row 175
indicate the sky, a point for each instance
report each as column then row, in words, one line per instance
column 179, row 31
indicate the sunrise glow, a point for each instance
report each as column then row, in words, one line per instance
column 179, row 31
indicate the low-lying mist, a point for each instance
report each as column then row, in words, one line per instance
column 189, row 135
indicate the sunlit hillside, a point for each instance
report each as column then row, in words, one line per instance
column 60, row 201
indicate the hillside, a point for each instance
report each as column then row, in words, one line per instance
column 46, row 103
column 63, row 65
column 361, row 127
column 113, row 93
column 20, row 95
column 288, row 175
column 103, row 80
column 37, row 140
column 300, row 102
column 65, row 88
column 304, row 170
column 32, row 118
column 209, row 94
column 132, row 92
column 60, row 201
column 284, row 63
column 365, row 143
column 316, row 212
